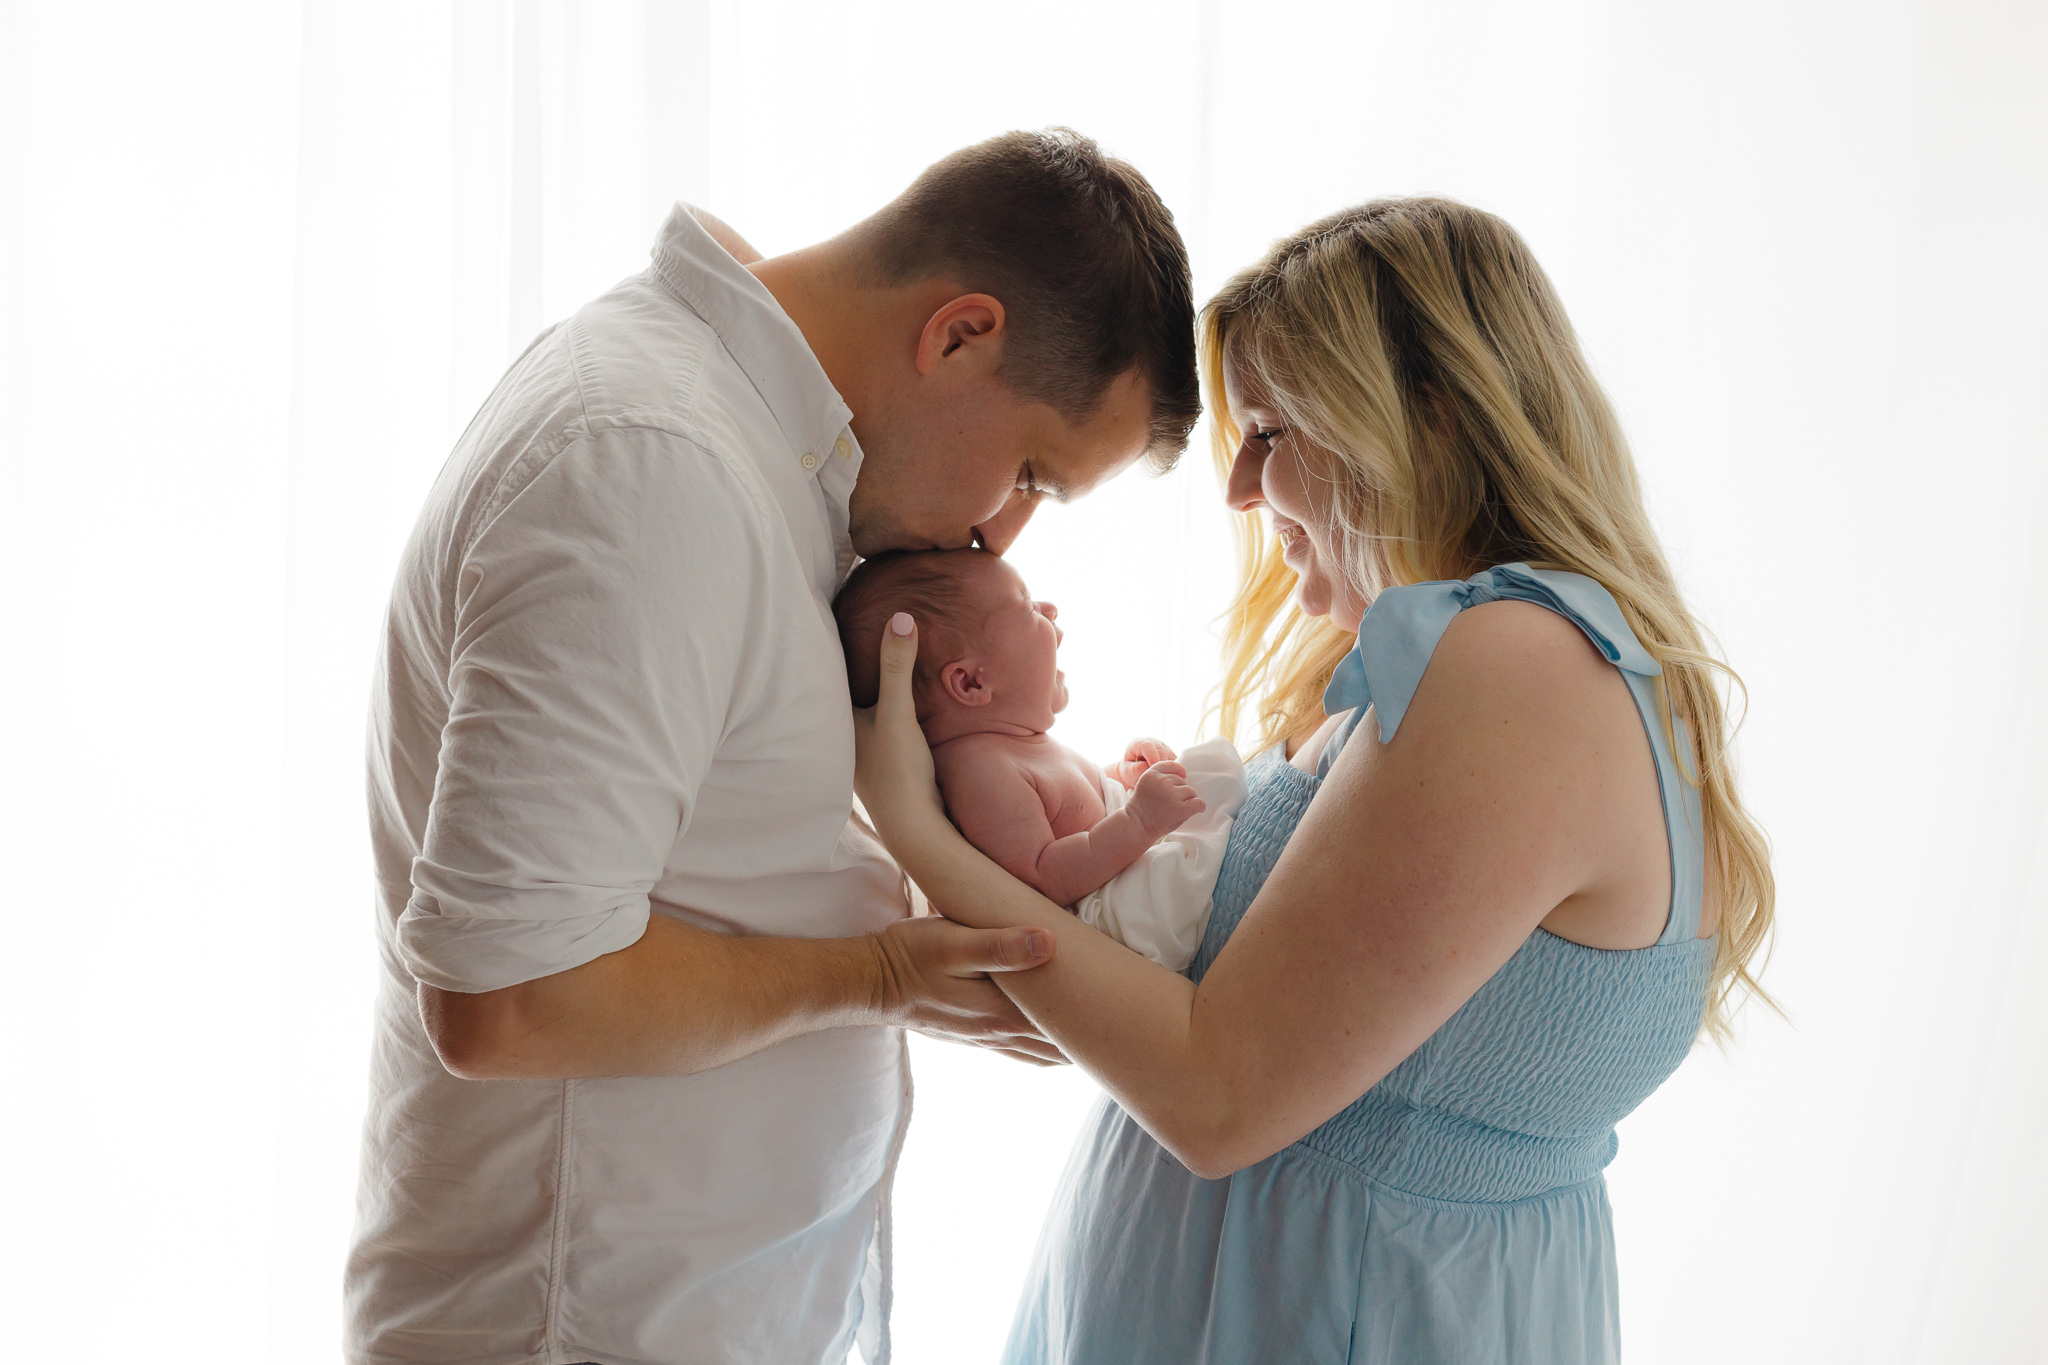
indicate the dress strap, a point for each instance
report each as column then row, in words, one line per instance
column 1401, row 630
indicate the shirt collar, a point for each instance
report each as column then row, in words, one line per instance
column 769, row 349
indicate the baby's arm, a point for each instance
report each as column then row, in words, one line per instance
column 998, row 807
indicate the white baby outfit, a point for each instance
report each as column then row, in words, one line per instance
column 1159, row 905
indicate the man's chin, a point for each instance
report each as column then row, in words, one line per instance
column 869, row 540
column 873, row 530
column 872, row 536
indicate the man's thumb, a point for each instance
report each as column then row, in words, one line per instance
column 1013, row 950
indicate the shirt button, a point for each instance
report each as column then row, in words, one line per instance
column 843, row 448
column 809, row 460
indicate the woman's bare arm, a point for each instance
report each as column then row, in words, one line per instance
column 1515, row 786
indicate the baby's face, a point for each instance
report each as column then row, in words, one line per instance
column 1019, row 645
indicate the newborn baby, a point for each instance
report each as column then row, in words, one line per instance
column 1133, row 848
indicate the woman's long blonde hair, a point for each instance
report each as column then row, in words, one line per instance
column 1420, row 343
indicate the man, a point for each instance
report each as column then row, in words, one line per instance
column 638, row 1082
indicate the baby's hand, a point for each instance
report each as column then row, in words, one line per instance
column 1141, row 754
column 1163, row 801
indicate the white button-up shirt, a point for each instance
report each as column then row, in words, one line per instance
column 610, row 687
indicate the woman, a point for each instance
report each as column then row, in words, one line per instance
column 1467, row 921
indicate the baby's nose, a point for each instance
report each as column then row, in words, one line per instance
column 1052, row 614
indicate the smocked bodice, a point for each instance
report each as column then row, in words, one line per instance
column 1520, row 1090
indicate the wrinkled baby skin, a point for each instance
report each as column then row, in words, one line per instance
column 1026, row 800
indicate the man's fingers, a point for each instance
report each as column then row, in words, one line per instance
column 1025, row 1048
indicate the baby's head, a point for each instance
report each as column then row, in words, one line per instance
column 987, row 654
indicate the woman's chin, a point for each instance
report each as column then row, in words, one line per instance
column 1315, row 598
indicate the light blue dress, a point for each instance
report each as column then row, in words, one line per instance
column 1454, row 1214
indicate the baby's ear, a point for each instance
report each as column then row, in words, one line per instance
column 966, row 682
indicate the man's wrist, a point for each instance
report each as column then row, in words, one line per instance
column 881, row 988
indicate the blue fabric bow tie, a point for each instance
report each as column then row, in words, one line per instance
column 1401, row 630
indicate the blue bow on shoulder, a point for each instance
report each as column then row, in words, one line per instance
column 1402, row 628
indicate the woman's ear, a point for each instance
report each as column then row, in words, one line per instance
column 966, row 681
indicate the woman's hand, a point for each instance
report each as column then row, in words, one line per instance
column 892, row 762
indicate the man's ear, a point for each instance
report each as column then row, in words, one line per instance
column 969, row 325
column 966, row 681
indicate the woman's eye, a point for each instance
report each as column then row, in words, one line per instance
column 1267, row 435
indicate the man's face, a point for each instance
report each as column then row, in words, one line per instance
column 969, row 461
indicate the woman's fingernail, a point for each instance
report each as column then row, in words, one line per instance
column 1034, row 944
column 901, row 624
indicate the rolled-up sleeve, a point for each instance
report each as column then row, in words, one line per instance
column 600, row 625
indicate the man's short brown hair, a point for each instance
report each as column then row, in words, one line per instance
column 1091, row 272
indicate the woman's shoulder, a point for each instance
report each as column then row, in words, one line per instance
column 1519, row 646
column 1511, row 617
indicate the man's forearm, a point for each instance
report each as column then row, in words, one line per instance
column 680, row 1000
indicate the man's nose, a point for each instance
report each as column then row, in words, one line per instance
column 1000, row 531
column 1244, row 491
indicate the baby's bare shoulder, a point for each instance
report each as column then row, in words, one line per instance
column 979, row 758
column 1070, row 766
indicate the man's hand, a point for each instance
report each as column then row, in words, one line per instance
column 934, row 978
column 684, row 999
column 1138, row 757
column 1163, row 800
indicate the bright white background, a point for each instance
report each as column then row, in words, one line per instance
column 261, row 261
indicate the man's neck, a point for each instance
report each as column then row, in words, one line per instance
column 821, row 291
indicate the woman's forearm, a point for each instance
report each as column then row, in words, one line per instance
column 1124, row 1018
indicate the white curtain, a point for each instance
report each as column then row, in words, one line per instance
column 261, row 261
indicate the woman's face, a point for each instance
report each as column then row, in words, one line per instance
column 1286, row 474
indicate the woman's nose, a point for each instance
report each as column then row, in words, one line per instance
column 1244, row 492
